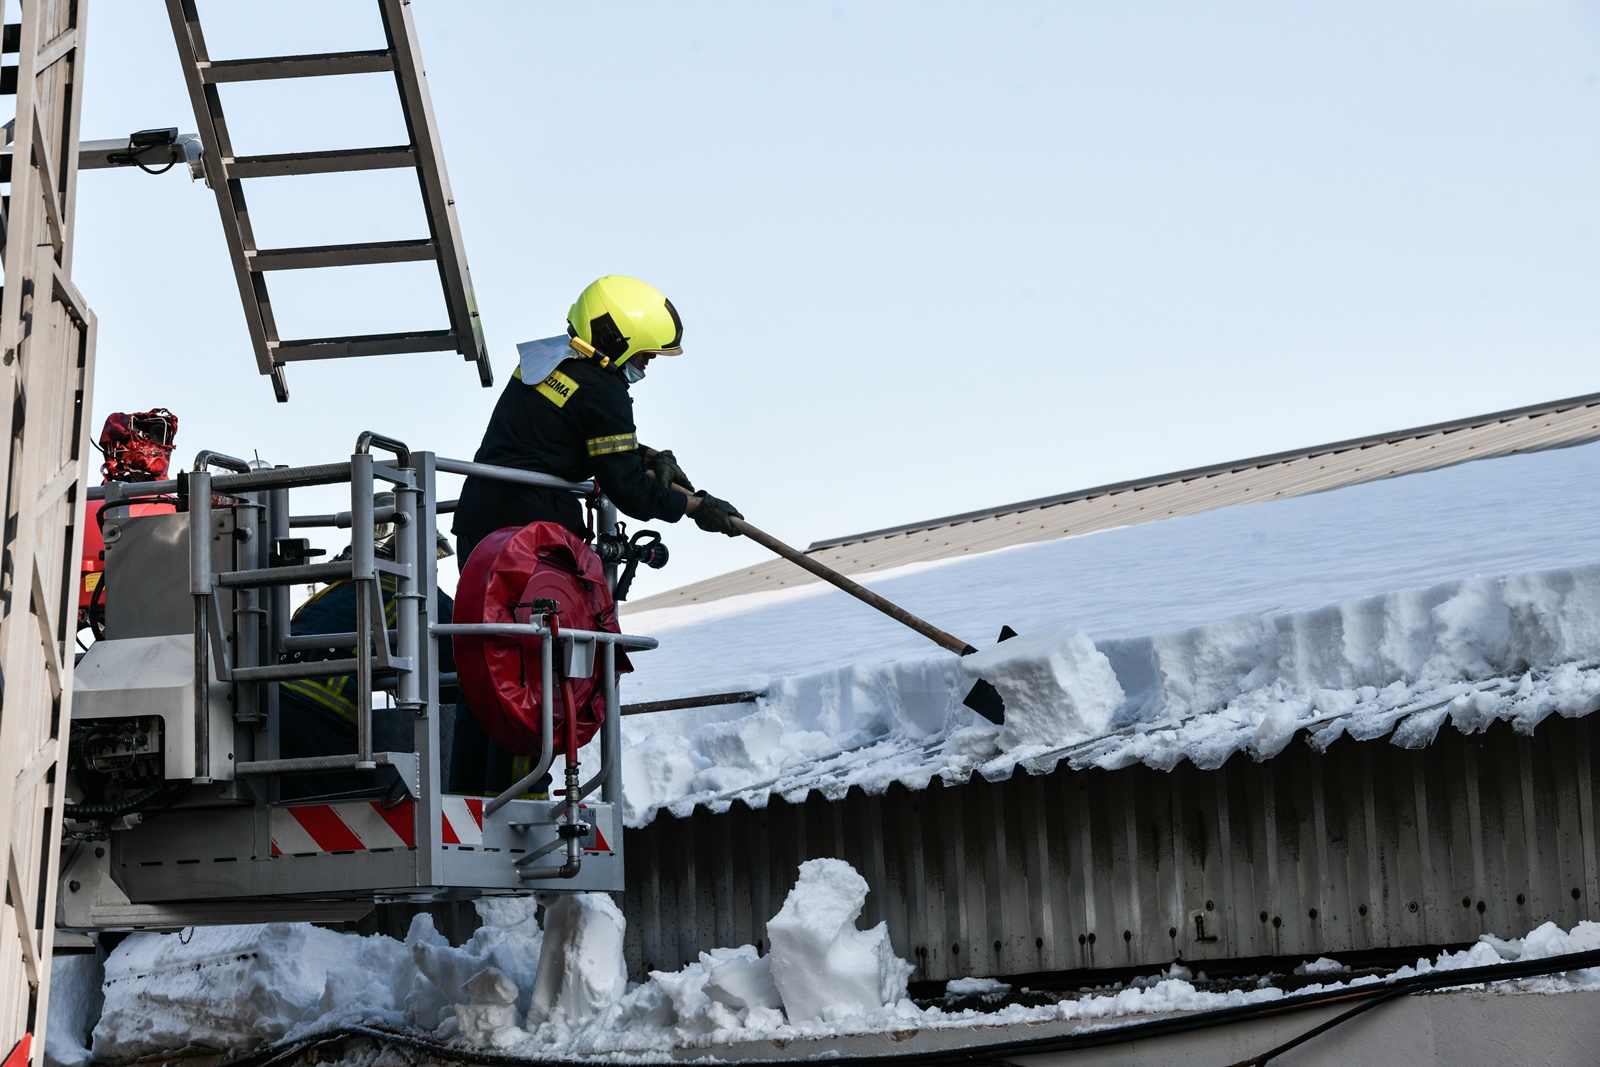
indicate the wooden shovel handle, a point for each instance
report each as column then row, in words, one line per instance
column 860, row 592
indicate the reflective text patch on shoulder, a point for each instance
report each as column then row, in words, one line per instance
column 558, row 388
column 605, row 446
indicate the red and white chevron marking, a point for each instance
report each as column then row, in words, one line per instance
column 349, row 826
column 463, row 821
column 363, row 825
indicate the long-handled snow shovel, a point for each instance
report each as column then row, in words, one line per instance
column 983, row 698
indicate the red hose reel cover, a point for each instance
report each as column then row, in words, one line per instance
column 500, row 676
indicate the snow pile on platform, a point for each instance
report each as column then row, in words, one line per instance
column 238, row 987
column 1401, row 646
column 510, row 987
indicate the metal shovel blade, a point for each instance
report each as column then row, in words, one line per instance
column 984, row 698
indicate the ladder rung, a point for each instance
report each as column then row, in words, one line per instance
column 377, row 344
column 332, row 162
column 350, row 255
column 303, row 574
column 288, row 672
column 314, row 66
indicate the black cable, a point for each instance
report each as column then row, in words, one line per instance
column 1365, row 1006
column 139, row 802
column 1372, row 996
column 112, row 809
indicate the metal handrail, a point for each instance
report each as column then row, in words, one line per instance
column 533, row 629
column 510, row 474
column 368, row 438
column 206, row 457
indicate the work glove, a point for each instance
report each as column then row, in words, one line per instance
column 663, row 467
column 715, row 515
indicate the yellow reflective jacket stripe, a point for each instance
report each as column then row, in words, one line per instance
column 605, row 446
column 336, row 694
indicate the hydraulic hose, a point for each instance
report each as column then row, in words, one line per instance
column 113, row 809
column 164, row 796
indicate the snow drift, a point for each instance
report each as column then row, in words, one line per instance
column 1370, row 610
column 728, row 996
column 1471, row 652
column 511, row 986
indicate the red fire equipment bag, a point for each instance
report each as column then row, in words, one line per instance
column 500, row 676
column 137, row 446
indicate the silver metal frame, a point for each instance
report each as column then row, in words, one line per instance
column 227, row 173
column 214, row 857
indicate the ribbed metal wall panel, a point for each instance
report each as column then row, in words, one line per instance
column 1363, row 846
column 1247, row 481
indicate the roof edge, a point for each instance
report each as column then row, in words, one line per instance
column 1391, row 437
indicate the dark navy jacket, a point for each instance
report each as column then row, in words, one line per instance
column 576, row 424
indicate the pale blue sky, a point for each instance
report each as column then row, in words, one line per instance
column 930, row 257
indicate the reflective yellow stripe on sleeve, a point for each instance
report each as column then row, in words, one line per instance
column 605, row 446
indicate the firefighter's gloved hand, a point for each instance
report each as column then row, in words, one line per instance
column 715, row 515
column 663, row 467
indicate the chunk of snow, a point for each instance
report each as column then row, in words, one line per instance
column 1322, row 965
column 726, row 990
column 987, row 988
column 581, row 967
column 222, row 987
column 75, row 1001
column 1058, row 688
column 824, row 967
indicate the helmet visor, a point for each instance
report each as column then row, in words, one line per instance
column 675, row 350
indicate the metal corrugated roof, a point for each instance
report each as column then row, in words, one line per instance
column 1530, row 429
column 1387, row 845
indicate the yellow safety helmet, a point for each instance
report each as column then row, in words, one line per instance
column 620, row 317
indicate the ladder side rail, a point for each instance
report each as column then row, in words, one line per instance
column 229, row 191
column 443, row 224
column 82, row 341
column 46, row 360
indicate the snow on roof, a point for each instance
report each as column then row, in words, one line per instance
column 1188, row 492
column 1470, row 593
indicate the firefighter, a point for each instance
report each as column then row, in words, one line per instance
column 567, row 412
column 317, row 716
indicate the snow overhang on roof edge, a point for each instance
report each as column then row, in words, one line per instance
column 1207, row 741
